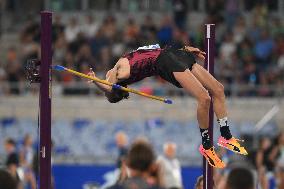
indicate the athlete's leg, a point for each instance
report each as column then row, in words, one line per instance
column 218, row 96
column 215, row 88
column 217, row 91
column 189, row 82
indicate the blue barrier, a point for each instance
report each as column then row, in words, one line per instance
column 74, row 176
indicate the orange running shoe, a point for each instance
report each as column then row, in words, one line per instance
column 212, row 158
column 233, row 145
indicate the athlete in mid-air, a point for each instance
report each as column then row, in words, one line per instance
column 179, row 67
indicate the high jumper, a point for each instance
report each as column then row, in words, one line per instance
column 180, row 68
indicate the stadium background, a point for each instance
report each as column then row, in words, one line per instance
column 249, row 62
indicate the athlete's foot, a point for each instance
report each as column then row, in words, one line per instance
column 212, row 158
column 233, row 145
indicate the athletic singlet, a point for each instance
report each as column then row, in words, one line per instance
column 142, row 64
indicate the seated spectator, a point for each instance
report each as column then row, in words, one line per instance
column 57, row 27
column 227, row 48
column 240, row 178
column 148, row 27
column 239, row 30
column 131, row 32
column 263, row 49
column 90, row 27
column 13, row 71
column 165, row 32
column 72, row 30
column 180, row 9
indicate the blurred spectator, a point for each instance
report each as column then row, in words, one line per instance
column 262, row 154
column 263, row 163
column 85, row 58
column 3, row 78
column 121, row 140
column 109, row 27
column 165, row 32
column 260, row 14
column 170, row 169
column 12, row 161
column 72, row 30
column 7, row 181
column 240, row 178
column 263, row 50
column 140, row 162
column 239, row 30
column 227, row 48
column 60, row 48
column 271, row 155
column 29, row 47
column 27, row 152
column 90, row 27
column 180, row 13
column 180, row 39
column 131, row 33
column 276, row 28
column 57, row 27
column 231, row 12
column 280, row 159
column 199, row 183
column 280, row 51
column 14, row 71
column 148, row 30
column 214, row 8
column 98, row 42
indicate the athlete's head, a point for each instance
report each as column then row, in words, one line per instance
column 117, row 95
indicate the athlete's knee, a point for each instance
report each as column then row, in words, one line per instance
column 204, row 99
column 219, row 90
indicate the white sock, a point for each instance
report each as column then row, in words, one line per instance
column 223, row 122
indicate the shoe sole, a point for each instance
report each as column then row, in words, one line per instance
column 221, row 145
column 210, row 161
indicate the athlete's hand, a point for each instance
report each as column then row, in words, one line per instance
column 196, row 51
column 91, row 74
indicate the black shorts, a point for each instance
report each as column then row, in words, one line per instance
column 174, row 60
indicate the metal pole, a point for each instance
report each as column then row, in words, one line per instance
column 209, row 65
column 45, row 102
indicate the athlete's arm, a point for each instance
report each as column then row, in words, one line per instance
column 111, row 77
column 113, row 95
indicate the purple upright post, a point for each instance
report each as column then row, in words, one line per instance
column 45, row 102
column 209, row 65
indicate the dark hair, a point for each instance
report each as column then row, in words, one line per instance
column 240, row 178
column 140, row 156
column 117, row 95
column 10, row 141
column 7, row 181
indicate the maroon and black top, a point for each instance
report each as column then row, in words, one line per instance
column 162, row 62
column 142, row 64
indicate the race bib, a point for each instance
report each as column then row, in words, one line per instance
column 149, row 47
